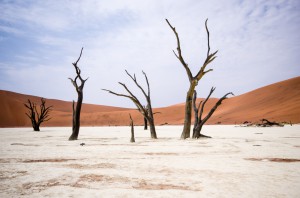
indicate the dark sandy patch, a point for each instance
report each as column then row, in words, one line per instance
column 91, row 166
column 47, row 160
column 4, row 160
column 21, row 144
column 144, row 185
column 102, row 178
column 273, row 159
column 161, row 153
column 129, row 182
column 39, row 186
column 11, row 174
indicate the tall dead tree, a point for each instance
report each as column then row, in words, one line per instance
column 192, row 79
column 36, row 116
column 199, row 121
column 146, row 111
column 79, row 90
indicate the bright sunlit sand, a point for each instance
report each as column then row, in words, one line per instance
column 236, row 162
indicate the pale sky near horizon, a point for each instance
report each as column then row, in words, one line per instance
column 258, row 43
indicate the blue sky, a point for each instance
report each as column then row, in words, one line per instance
column 258, row 43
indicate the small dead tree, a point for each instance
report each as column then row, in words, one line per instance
column 132, row 139
column 79, row 90
column 266, row 122
column 192, row 79
column 37, row 117
column 199, row 121
column 146, row 111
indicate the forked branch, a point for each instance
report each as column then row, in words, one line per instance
column 179, row 55
column 203, row 104
column 209, row 57
column 78, row 75
column 199, row 122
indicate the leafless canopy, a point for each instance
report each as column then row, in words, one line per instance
column 37, row 115
column 78, row 87
column 146, row 111
column 209, row 57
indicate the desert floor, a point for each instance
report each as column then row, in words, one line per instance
column 236, row 162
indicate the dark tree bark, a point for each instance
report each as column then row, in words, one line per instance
column 77, row 109
column 199, row 122
column 145, row 124
column 192, row 79
column 132, row 139
column 145, row 120
column 37, row 117
column 145, row 111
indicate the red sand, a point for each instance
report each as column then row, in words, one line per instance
column 279, row 102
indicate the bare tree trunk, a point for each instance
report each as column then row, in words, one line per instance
column 192, row 79
column 77, row 110
column 152, row 129
column 145, row 124
column 36, row 128
column 188, row 111
column 145, row 118
column 150, row 115
column 196, row 110
column 198, row 133
column 76, row 117
column 187, row 118
column 132, row 139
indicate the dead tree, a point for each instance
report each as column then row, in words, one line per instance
column 37, row 117
column 146, row 111
column 199, row 121
column 267, row 123
column 132, row 129
column 192, row 79
column 79, row 90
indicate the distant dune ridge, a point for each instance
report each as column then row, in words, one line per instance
column 277, row 102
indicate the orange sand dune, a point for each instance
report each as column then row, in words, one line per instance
column 12, row 112
column 279, row 102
